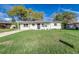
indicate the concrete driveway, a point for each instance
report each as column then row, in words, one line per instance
column 9, row 33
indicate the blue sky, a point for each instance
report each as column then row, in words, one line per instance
column 48, row 9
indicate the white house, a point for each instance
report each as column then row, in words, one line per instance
column 39, row 25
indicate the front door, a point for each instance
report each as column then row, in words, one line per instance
column 38, row 26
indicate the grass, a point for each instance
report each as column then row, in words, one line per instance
column 5, row 30
column 40, row 41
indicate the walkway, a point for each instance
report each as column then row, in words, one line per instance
column 9, row 33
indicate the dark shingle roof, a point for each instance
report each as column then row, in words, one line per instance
column 23, row 22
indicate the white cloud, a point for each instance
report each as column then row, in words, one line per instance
column 48, row 19
column 69, row 10
column 3, row 15
column 8, row 19
column 77, row 12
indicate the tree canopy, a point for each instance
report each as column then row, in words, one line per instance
column 65, row 17
column 25, row 14
column 68, row 16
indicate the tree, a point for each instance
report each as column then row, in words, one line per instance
column 18, row 11
column 12, row 14
column 25, row 14
column 69, row 17
column 37, row 16
column 58, row 17
column 65, row 18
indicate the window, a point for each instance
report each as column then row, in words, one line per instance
column 42, row 25
column 33, row 24
column 55, row 24
column 45, row 25
column 25, row 25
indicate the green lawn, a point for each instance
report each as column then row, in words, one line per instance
column 5, row 30
column 40, row 41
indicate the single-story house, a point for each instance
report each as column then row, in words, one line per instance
column 32, row 25
column 39, row 25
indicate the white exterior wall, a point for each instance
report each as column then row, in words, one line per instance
column 29, row 27
column 45, row 28
column 58, row 26
column 34, row 27
column 24, row 28
column 51, row 26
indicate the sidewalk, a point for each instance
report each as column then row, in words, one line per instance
column 9, row 33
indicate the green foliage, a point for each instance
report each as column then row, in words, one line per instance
column 37, row 15
column 68, row 16
column 65, row 18
column 64, row 23
column 18, row 11
column 24, row 14
column 58, row 17
column 5, row 30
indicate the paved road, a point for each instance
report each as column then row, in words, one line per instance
column 9, row 33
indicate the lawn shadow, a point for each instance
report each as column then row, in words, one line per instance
column 67, row 44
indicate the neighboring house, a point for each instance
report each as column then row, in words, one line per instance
column 74, row 25
column 5, row 25
column 39, row 25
